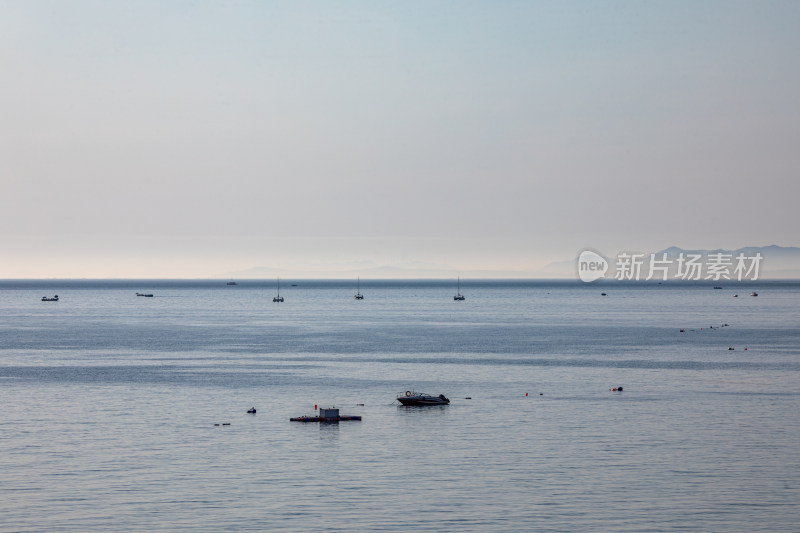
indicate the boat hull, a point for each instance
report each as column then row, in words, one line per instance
column 422, row 401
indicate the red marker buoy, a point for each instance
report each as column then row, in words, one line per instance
column 315, row 407
column 526, row 394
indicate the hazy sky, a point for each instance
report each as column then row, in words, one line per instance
column 192, row 138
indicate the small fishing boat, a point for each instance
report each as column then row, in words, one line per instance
column 278, row 298
column 420, row 398
column 148, row 295
column 53, row 299
column 231, row 283
column 459, row 296
column 753, row 294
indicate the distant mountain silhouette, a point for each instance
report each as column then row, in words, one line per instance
column 410, row 271
column 779, row 262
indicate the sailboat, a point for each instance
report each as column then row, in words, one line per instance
column 278, row 298
column 459, row 296
column 358, row 295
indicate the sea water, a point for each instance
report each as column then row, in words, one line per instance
column 126, row 413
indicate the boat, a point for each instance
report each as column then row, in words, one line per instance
column 753, row 294
column 53, row 299
column 717, row 287
column 278, row 298
column 148, row 295
column 231, row 283
column 420, row 398
column 358, row 295
column 459, row 296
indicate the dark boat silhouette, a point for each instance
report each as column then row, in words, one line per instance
column 459, row 296
column 420, row 398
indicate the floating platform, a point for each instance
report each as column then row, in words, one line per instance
column 320, row 419
column 326, row 415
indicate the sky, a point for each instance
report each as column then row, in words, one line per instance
column 197, row 138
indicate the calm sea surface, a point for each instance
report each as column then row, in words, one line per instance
column 108, row 406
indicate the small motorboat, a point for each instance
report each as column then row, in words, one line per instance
column 146, row 295
column 753, row 294
column 420, row 398
column 53, row 299
column 231, row 283
column 251, row 411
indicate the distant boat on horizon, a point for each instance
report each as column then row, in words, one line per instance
column 458, row 295
column 358, row 295
column 278, row 298
column 231, row 283
column 53, row 299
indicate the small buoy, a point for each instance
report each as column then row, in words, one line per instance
column 614, row 390
column 526, row 394
column 315, row 407
column 683, row 330
column 541, row 394
column 619, row 389
column 745, row 348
